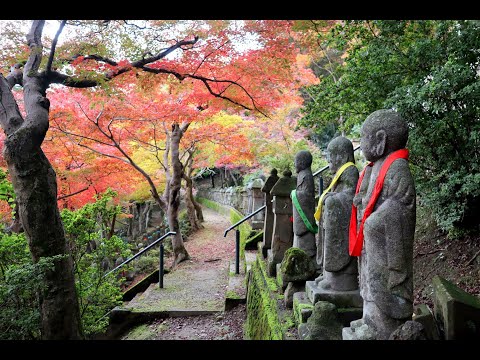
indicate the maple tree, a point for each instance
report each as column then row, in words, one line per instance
column 201, row 59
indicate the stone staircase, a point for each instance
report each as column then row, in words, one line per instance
column 187, row 291
column 236, row 292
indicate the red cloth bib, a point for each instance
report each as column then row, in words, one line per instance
column 355, row 240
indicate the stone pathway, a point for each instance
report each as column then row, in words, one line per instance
column 196, row 286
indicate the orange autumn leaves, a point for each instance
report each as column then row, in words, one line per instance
column 208, row 85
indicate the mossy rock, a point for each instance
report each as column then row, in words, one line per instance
column 297, row 266
column 324, row 323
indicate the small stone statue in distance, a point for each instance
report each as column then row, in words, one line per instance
column 303, row 198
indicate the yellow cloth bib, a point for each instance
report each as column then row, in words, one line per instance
column 340, row 171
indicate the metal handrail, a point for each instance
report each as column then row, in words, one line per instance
column 161, row 272
column 237, row 236
column 244, row 219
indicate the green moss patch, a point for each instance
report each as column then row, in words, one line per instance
column 265, row 319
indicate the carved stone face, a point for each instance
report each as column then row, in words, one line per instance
column 339, row 152
column 383, row 132
column 335, row 159
column 367, row 145
column 372, row 143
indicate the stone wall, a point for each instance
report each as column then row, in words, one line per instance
column 236, row 197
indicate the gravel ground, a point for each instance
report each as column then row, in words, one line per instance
column 224, row 326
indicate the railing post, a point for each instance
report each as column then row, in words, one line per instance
column 320, row 184
column 160, row 275
column 237, row 251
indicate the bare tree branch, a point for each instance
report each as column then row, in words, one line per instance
column 54, row 45
column 56, row 77
column 34, row 41
column 10, row 116
column 73, row 194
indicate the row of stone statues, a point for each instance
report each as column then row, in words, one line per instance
column 360, row 234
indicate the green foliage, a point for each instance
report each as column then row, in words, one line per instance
column 14, row 251
column 427, row 70
column 19, row 291
column 6, row 188
column 87, row 231
column 21, row 281
column 147, row 262
column 184, row 223
column 245, row 229
column 285, row 160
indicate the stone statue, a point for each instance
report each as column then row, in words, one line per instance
column 282, row 237
column 268, row 224
column 340, row 270
column 382, row 228
column 303, row 197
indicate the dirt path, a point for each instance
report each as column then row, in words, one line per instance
column 203, row 280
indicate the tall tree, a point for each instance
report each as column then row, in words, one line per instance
column 428, row 71
column 35, row 186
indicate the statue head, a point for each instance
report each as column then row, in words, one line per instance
column 339, row 152
column 383, row 132
column 274, row 172
column 303, row 160
column 287, row 173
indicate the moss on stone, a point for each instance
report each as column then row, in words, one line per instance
column 231, row 294
column 253, row 238
column 262, row 315
column 245, row 229
column 297, row 310
column 296, row 265
column 141, row 332
column 279, row 278
column 449, row 290
column 214, row 206
column 287, row 322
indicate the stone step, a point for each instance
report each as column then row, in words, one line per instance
column 302, row 307
column 236, row 291
column 250, row 258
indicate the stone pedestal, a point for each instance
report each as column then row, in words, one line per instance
column 358, row 330
column 302, row 307
column 342, row 299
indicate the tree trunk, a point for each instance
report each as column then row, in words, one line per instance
column 35, row 185
column 194, row 210
column 179, row 251
column 198, row 210
column 16, row 225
